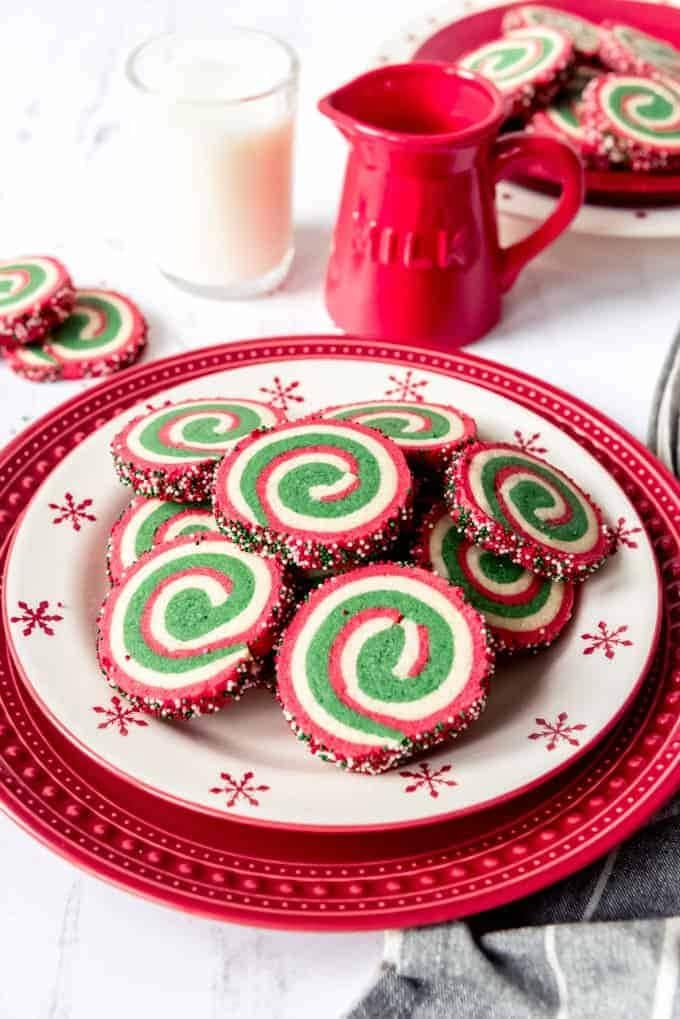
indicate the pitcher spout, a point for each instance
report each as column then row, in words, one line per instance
column 419, row 101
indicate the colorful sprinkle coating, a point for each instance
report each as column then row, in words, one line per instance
column 170, row 452
column 104, row 333
column 380, row 664
column 145, row 523
column 528, row 65
column 426, row 433
column 627, row 50
column 187, row 627
column 514, row 504
column 585, row 35
column 322, row 494
column 36, row 295
column 633, row 121
column 523, row 611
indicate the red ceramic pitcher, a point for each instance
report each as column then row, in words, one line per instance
column 415, row 252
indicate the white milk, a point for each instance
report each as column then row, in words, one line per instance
column 215, row 130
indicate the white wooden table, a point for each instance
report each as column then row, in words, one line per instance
column 592, row 315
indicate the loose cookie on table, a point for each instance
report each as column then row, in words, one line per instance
column 170, row 452
column 515, row 504
column 527, row 66
column 104, row 333
column 425, row 432
column 186, row 628
column 145, row 523
column 381, row 663
column 633, row 121
column 584, row 34
column 522, row 610
column 322, row 493
column 627, row 50
column 36, row 295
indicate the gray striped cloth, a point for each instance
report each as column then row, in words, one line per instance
column 604, row 944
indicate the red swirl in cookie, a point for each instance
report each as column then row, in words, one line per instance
column 380, row 663
column 527, row 65
column 36, row 295
column 104, row 333
column 322, row 493
column 515, row 504
column 187, row 626
column 522, row 610
column 425, row 432
column 145, row 523
column 171, row 452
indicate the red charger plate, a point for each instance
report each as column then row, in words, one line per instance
column 223, row 869
column 602, row 187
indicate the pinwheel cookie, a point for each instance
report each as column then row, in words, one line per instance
column 522, row 610
column 187, row 626
column 426, row 433
column 170, row 452
column 381, row 663
column 514, row 504
column 629, row 51
column 563, row 118
column 145, row 523
column 104, row 333
column 585, row 35
column 527, row 65
column 324, row 494
column 36, row 295
column 633, row 121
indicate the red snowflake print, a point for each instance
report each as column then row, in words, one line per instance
column 282, row 395
column 557, row 731
column 425, row 778
column 75, row 512
column 407, row 388
column 120, row 715
column 623, row 535
column 606, row 640
column 236, row 789
column 529, row 443
column 38, row 618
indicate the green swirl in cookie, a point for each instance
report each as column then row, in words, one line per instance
column 325, row 476
column 24, row 281
column 644, row 108
column 516, row 488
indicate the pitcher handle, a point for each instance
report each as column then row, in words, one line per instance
column 562, row 163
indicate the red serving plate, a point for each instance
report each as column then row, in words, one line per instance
column 223, row 869
column 610, row 187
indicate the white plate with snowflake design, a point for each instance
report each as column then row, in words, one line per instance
column 543, row 710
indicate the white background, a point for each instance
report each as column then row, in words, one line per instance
column 593, row 315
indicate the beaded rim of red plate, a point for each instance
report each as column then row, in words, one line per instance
column 126, row 834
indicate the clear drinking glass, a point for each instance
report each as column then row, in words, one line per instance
column 214, row 125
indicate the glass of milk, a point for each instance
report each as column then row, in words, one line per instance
column 214, row 126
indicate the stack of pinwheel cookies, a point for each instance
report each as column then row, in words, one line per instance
column 49, row 330
column 367, row 563
column 609, row 89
